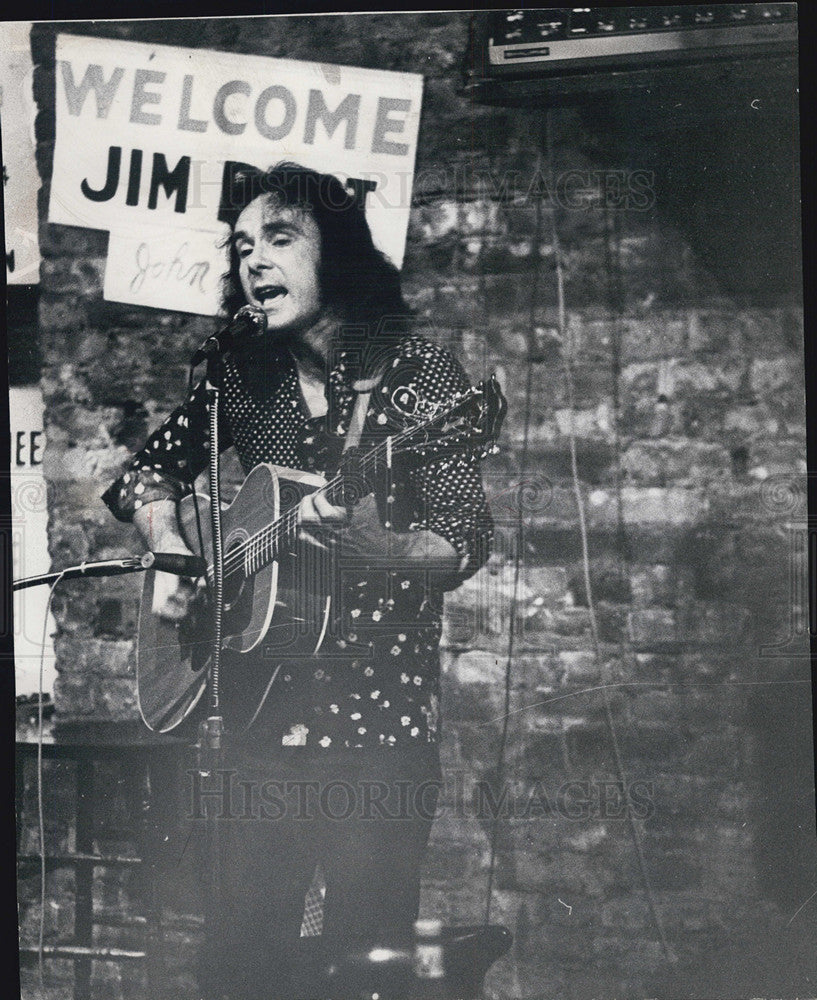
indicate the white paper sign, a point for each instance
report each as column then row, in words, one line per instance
column 21, row 182
column 29, row 532
column 143, row 132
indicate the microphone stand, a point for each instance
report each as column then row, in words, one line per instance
column 211, row 729
column 249, row 321
column 210, row 745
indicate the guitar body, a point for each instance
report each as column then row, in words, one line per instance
column 171, row 671
column 274, row 611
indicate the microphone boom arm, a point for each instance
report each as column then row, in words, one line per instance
column 164, row 562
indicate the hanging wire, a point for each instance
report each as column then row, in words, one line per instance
column 519, row 533
column 615, row 296
column 568, row 360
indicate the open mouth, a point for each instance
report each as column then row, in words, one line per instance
column 266, row 293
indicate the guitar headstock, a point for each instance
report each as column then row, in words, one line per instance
column 470, row 421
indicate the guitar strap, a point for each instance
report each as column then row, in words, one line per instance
column 364, row 388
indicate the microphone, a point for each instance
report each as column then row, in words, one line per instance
column 172, row 562
column 248, row 322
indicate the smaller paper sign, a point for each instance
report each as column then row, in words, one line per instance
column 166, row 269
column 29, row 536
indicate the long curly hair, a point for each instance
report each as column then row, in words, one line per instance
column 358, row 282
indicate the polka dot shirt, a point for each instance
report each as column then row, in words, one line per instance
column 377, row 681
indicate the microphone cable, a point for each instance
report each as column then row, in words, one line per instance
column 40, row 806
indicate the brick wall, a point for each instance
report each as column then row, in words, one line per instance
column 690, row 440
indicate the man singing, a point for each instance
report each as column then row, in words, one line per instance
column 301, row 251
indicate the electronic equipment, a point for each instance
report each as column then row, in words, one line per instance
column 561, row 39
column 563, row 55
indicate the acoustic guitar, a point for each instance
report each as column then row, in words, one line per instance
column 279, row 596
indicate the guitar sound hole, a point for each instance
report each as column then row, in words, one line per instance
column 233, row 582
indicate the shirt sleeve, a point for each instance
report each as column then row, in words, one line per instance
column 447, row 489
column 172, row 457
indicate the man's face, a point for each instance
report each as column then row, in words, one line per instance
column 279, row 254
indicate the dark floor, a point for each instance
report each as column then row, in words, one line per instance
column 772, row 962
column 776, row 959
